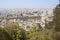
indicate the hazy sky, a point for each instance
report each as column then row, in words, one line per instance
column 28, row 3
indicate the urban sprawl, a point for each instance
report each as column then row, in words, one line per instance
column 26, row 17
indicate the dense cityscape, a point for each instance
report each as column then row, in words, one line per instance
column 25, row 16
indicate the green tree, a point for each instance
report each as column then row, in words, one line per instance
column 57, row 22
column 40, row 35
column 15, row 32
column 4, row 35
column 57, row 17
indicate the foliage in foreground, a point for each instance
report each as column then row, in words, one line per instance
column 40, row 35
column 12, row 32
